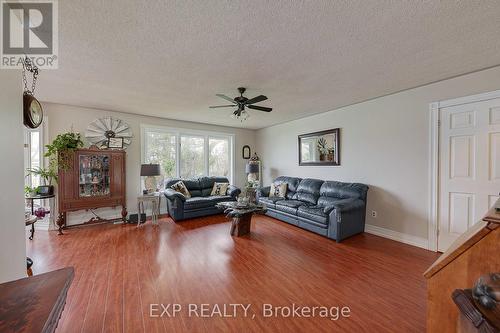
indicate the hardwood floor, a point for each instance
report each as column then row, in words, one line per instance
column 121, row 270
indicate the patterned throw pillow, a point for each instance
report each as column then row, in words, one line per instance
column 278, row 190
column 181, row 188
column 220, row 189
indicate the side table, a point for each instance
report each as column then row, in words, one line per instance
column 30, row 220
column 51, row 199
column 155, row 207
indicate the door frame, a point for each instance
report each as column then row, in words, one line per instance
column 434, row 118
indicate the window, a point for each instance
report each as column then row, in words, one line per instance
column 33, row 155
column 192, row 156
column 160, row 148
column 187, row 153
column 219, row 157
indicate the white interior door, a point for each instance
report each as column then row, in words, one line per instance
column 469, row 166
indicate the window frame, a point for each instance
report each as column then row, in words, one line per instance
column 178, row 132
column 27, row 149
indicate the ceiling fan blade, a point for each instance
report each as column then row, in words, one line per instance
column 221, row 106
column 257, row 99
column 260, row 108
column 225, row 97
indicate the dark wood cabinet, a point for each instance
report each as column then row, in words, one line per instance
column 95, row 179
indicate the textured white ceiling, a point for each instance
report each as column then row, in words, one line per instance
column 170, row 58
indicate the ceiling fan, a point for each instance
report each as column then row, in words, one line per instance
column 241, row 103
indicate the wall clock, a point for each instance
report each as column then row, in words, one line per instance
column 32, row 111
column 101, row 130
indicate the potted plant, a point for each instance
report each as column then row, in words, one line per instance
column 30, row 191
column 47, row 176
column 61, row 150
column 322, row 148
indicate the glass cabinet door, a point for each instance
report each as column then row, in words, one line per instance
column 94, row 175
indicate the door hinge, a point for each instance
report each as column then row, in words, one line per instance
column 439, row 123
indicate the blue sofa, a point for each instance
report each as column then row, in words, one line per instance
column 201, row 202
column 333, row 209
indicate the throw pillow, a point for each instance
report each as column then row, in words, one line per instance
column 278, row 190
column 181, row 188
column 220, row 189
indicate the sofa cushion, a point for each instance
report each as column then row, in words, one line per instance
column 181, row 188
column 308, row 190
column 315, row 213
column 198, row 202
column 219, row 188
column 207, row 184
column 205, row 202
column 278, row 190
column 291, row 203
column 193, row 185
column 291, row 182
column 219, row 198
column 339, row 190
column 287, row 209
column 269, row 202
column 289, row 206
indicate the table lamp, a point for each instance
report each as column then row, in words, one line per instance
column 150, row 171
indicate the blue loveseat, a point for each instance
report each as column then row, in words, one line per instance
column 201, row 202
column 333, row 209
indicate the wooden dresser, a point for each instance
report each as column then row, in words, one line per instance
column 95, row 179
column 474, row 254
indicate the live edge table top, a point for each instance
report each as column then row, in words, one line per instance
column 234, row 209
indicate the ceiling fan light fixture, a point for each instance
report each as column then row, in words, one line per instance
column 241, row 102
column 245, row 115
column 242, row 116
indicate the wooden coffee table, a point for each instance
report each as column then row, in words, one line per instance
column 241, row 215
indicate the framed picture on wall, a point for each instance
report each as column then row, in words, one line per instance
column 246, row 152
column 320, row 148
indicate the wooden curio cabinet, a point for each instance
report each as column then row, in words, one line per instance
column 95, row 179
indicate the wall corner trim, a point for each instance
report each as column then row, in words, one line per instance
column 397, row 236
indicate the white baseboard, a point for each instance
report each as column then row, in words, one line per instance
column 397, row 236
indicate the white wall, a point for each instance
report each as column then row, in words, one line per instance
column 62, row 118
column 384, row 143
column 12, row 230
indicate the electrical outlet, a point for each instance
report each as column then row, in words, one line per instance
column 374, row 214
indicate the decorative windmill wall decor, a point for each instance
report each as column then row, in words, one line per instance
column 101, row 130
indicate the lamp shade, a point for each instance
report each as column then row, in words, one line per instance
column 252, row 168
column 150, row 170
